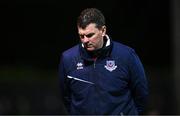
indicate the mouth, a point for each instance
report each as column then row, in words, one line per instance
column 88, row 45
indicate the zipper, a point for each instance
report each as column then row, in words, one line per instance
column 95, row 62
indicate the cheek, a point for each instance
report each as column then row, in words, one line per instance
column 96, row 39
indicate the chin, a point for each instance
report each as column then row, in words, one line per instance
column 90, row 49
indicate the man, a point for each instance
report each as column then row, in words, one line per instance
column 100, row 76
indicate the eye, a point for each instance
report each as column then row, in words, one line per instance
column 81, row 36
column 89, row 35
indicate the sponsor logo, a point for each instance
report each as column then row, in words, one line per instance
column 79, row 65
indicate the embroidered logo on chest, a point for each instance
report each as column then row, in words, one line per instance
column 79, row 65
column 110, row 65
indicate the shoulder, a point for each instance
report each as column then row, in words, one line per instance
column 122, row 49
column 125, row 55
column 71, row 52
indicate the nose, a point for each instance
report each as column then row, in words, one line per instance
column 85, row 39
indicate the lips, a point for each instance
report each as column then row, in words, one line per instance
column 88, row 45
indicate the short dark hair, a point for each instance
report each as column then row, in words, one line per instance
column 91, row 15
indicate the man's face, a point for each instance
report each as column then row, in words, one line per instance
column 92, row 37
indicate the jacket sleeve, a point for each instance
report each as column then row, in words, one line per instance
column 138, row 82
column 65, row 91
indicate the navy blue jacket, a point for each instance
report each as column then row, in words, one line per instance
column 114, row 83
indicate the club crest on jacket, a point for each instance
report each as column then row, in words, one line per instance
column 110, row 65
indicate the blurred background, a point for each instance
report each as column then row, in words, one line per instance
column 34, row 33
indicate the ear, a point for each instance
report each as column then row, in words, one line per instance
column 103, row 30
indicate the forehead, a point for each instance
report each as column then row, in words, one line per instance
column 91, row 28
